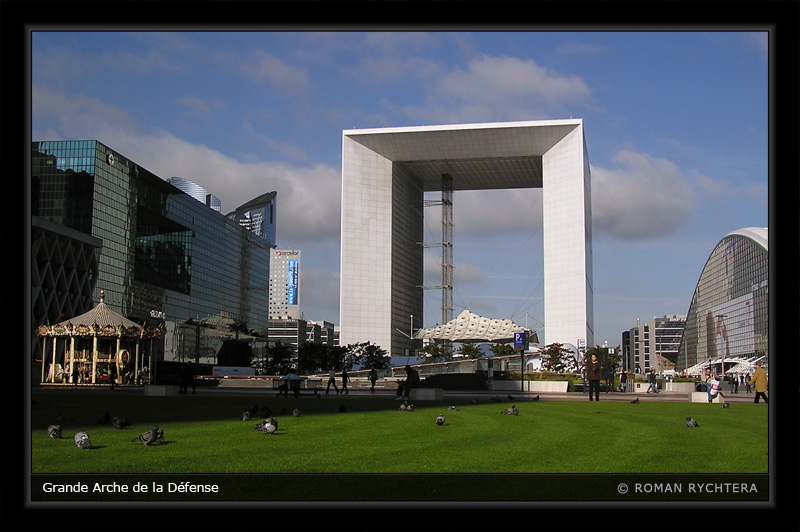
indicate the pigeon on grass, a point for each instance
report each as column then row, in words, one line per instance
column 691, row 422
column 511, row 411
column 635, row 401
column 268, row 426
column 152, row 436
column 82, row 440
column 440, row 419
column 119, row 423
column 54, row 431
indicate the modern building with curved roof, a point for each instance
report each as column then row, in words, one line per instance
column 727, row 325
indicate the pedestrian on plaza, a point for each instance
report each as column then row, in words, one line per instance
column 732, row 381
column 112, row 374
column 623, row 380
column 331, row 381
column 736, row 384
column 747, row 382
column 760, row 383
column 652, row 379
column 345, row 378
column 593, row 374
column 75, row 373
column 373, row 377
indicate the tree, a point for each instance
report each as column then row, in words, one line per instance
column 470, row 351
column 368, row 355
column 556, row 358
column 500, row 350
column 435, row 352
column 312, row 358
column 279, row 359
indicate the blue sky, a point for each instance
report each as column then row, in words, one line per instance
column 676, row 127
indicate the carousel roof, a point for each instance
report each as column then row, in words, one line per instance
column 101, row 315
column 102, row 320
column 469, row 327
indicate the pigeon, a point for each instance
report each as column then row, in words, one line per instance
column 410, row 408
column 82, row 440
column 246, row 415
column 154, row 435
column 474, row 401
column 635, row 401
column 105, row 419
column 268, row 425
column 691, row 422
column 535, row 398
column 440, row 419
column 452, row 408
column 119, row 423
column 54, row 431
column 496, row 398
column 296, row 412
column 510, row 397
column 511, row 411
column 265, row 411
column 726, row 405
column 402, row 407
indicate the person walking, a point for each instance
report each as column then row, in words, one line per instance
column 747, row 382
column 652, row 379
column 623, row 380
column 345, row 378
column 593, row 374
column 373, row 377
column 331, row 381
column 760, row 383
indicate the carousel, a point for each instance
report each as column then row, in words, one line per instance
column 98, row 347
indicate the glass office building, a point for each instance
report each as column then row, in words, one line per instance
column 258, row 216
column 728, row 319
column 164, row 254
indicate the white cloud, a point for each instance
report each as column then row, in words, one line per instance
column 263, row 66
column 308, row 196
column 643, row 197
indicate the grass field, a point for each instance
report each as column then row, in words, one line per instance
column 204, row 433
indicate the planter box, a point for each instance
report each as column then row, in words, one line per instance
column 683, row 387
column 160, row 389
column 425, row 394
column 530, row 386
column 702, row 397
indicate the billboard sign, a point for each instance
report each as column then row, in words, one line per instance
column 292, row 281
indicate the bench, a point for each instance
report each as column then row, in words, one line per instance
column 425, row 394
column 702, row 397
column 307, row 385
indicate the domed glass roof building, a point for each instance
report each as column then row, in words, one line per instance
column 727, row 325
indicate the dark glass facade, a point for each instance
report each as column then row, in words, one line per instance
column 728, row 319
column 163, row 252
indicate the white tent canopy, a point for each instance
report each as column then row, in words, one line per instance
column 469, row 327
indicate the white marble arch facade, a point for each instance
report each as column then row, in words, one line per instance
column 385, row 173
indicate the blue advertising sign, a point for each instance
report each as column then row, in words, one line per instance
column 293, row 281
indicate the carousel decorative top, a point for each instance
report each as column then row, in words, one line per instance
column 100, row 321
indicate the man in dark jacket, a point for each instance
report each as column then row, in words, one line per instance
column 593, row 374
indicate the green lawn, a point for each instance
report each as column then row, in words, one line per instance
column 204, row 434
